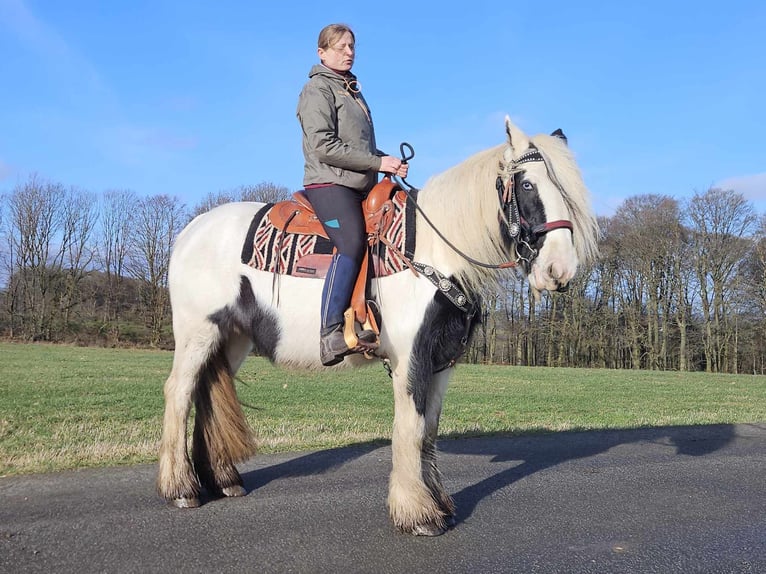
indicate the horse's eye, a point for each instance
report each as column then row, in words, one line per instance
column 527, row 185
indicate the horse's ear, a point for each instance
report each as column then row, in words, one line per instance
column 516, row 138
column 560, row 134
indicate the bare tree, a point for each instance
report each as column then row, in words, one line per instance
column 158, row 219
column 757, row 268
column 6, row 270
column 265, row 192
column 752, row 298
column 721, row 222
column 79, row 217
column 117, row 209
column 212, row 200
column 32, row 230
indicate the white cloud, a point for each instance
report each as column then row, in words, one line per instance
column 753, row 187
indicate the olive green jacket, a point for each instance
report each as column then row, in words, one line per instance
column 338, row 135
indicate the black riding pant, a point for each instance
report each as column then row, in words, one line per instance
column 339, row 209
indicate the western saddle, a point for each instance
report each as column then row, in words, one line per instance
column 297, row 216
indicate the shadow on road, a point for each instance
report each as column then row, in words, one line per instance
column 310, row 464
column 541, row 452
column 535, row 452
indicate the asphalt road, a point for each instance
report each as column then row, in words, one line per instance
column 662, row 500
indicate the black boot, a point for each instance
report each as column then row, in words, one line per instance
column 333, row 347
column 336, row 297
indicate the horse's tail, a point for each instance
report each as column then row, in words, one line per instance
column 222, row 435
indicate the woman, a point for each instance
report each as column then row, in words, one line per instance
column 341, row 167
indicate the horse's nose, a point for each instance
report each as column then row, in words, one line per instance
column 559, row 278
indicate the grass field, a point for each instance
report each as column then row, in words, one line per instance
column 68, row 407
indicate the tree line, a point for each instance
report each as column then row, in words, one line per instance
column 678, row 286
column 92, row 269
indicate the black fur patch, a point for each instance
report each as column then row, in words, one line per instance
column 247, row 316
column 532, row 212
column 437, row 342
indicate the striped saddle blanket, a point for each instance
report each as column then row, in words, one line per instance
column 271, row 249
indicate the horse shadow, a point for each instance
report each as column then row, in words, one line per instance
column 543, row 451
column 537, row 452
column 314, row 463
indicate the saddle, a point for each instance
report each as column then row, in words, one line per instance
column 297, row 216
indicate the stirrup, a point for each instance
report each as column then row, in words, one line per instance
column 364, row 341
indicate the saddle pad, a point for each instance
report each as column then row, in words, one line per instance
column 270, row 249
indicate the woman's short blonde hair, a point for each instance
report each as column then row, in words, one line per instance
column 330, row 34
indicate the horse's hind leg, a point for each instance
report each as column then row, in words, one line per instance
column 222, row 436
column 176, row 480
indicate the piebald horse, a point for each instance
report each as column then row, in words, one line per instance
column 520, row 204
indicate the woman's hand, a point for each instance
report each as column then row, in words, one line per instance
column 393, row 165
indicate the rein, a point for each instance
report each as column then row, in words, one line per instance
column 449, row 244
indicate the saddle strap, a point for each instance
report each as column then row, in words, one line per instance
column 359, row 295
column 402, row 257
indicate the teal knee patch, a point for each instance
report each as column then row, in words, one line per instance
column 334, row 223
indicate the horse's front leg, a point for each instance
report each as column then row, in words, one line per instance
column 431, row 474
column 417, row 501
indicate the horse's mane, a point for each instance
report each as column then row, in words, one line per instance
column 462, row 203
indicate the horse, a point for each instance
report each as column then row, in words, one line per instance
column 522, row 204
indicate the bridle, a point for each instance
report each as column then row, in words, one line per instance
column 520, row 232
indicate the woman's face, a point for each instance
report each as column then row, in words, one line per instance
column 340, row 55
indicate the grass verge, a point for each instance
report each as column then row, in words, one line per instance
column 67, row 407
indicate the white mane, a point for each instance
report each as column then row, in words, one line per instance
column 463, row 203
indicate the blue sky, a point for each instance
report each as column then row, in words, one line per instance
column 187, row 97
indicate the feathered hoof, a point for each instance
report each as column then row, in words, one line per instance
column 233, row 491
column 184, row 502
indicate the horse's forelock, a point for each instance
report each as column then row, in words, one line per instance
column 562, row 166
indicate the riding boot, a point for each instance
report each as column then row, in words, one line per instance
column 336, row 297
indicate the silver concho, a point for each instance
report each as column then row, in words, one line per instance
column 428, row 270
column 461, row 300
column 513, row 229
column 445, row 285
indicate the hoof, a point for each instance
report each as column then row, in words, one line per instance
column 232, row 491
column 429, row 529
column 185, row 502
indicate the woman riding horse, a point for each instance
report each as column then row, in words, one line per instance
column 341, row 165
